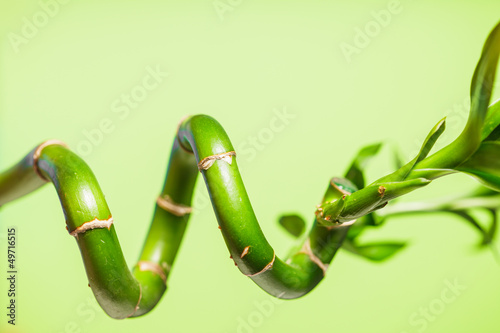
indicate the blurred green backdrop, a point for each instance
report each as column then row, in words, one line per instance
column 346, row 73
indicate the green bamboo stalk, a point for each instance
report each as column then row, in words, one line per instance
column 201, row 141
column 202, row 145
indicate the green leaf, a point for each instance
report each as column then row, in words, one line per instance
column 294, row 224
column 355, row 171
column 431, row 174
column 487, row 234
column 375, row 251
column 380, row 251
column 483, row 80
column 490, row 235
column 398, row 160
column 491, row 127
column 426, row 147
column 480, row 93
column 472, row 221
column 484, row 165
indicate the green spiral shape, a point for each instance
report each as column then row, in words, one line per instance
column 202, row 145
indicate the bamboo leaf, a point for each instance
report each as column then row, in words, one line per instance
column 355, row 171
column 487, row 234
column 294, row 224
column 472, row 221
column 398, row 159
column 480, row 93
column 426, row 147
column 375, row 251
column 491, row 127
column 484, row 165
column 482, row 82
column 380, row 251
column 490, row 235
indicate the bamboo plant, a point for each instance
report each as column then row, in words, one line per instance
column 201, row 145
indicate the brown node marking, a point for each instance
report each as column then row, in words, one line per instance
column 138, row 302
column 94, row 224
column 208, row 161
column 246, row 250
column 306, row 249
column 171, row 206
column 38, row 153
column 149, row 266
column 268, row 267
column 381, row 191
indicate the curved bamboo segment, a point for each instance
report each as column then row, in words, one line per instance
column 203, row 146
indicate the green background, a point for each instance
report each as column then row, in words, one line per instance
column 241, row 67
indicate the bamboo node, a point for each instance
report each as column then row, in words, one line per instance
column 208, row 161
column 166, row 203
column 38, row 153
column 268, row 267
column 306, row 249
column 149, row 266
column 94, row 224
column 138, row 302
